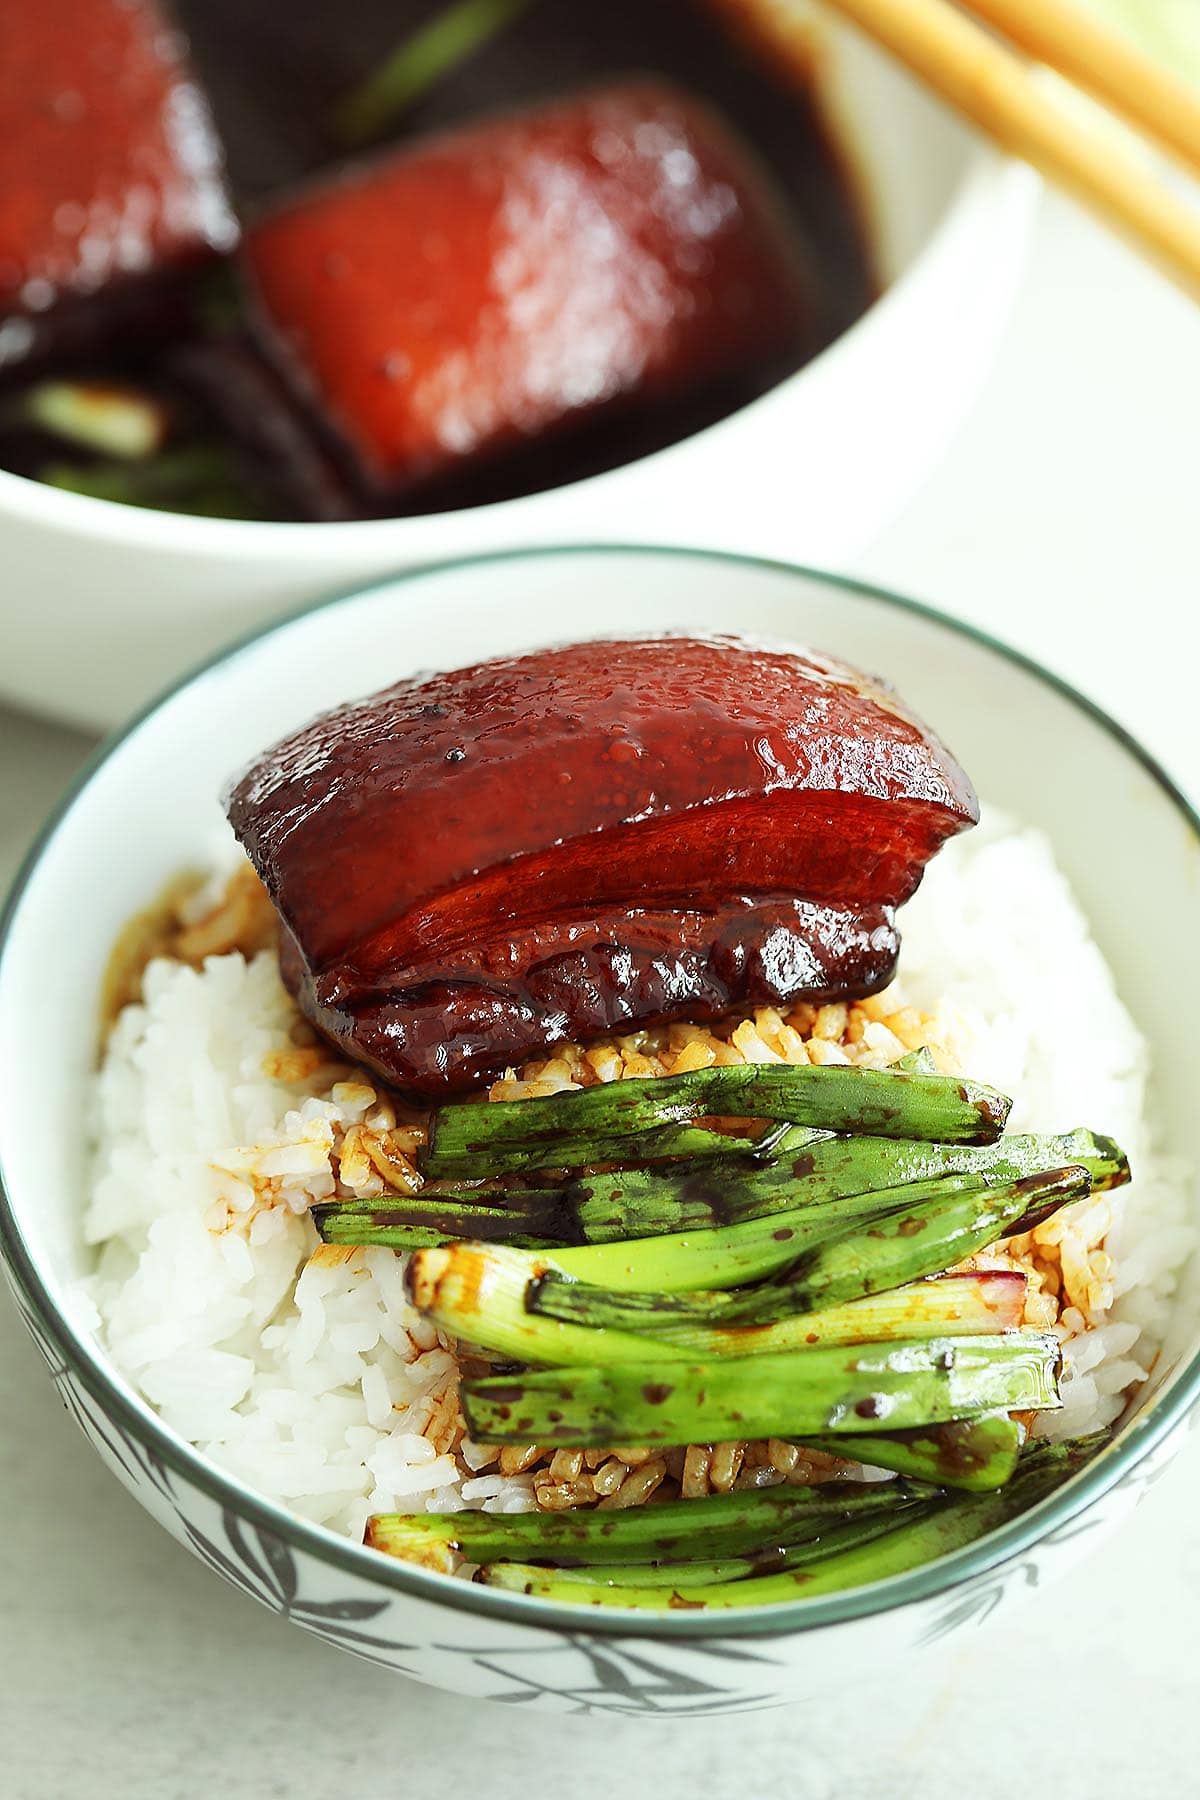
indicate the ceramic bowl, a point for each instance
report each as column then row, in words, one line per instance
column 148, row 806
column 103, row 604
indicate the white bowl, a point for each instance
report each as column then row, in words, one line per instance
column 102, row 603
column 148, row 806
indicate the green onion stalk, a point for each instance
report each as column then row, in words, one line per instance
column 424, row 59
column 733, row 1524
column 831, row 1391
column 919, row 1536
column 617, row 1206
column 478, row 1294
column 870, row 1255
column 583, row 1126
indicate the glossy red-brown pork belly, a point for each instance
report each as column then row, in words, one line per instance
column 446, row 305
column 476, row 865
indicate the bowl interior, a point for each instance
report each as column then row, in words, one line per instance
column 151, row 807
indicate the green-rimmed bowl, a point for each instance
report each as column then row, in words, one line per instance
column 148, row 806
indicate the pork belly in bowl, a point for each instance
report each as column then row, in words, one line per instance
column 702, row 1349
column 574, row 292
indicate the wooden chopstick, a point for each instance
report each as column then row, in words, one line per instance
column 998, row 91
column 1067, row 37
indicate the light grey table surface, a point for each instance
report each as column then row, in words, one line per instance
column 1064, row 518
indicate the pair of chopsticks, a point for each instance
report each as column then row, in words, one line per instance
column 994, row 85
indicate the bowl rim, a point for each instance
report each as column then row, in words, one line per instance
column 989, row 183
column 1110, row 1468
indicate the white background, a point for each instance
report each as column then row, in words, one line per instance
column 1065, row 520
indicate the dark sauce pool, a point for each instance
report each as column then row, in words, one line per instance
column 274, row 75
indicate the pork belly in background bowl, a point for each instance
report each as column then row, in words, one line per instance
column 109, row 600
column 112, row 187
column 993, row 947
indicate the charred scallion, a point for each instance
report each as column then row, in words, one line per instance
column 920, row 1537
column 828, row 1391
column 842, row 1534
column 975, row 1454
column 683, row 1197
column 865, row 1255
column 699, row 1260
column 581, row 1126
column 675, row 1530
column 625, row 1204
column 479, row 1293
column 419, row 1221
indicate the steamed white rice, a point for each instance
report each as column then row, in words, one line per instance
column 317, row 1384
